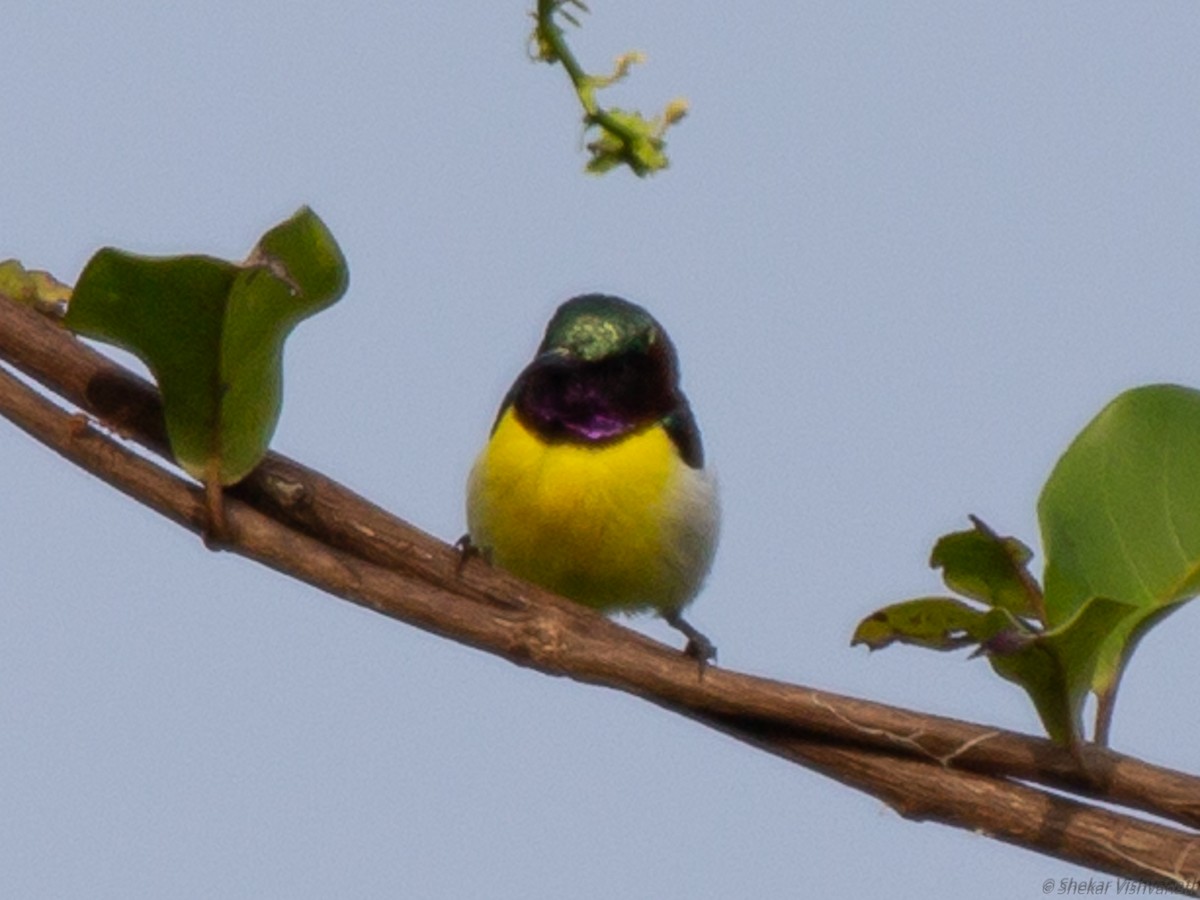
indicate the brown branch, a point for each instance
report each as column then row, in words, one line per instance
column 305, row 525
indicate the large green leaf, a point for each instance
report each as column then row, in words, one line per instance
column 1120, row 518
column 212, row 334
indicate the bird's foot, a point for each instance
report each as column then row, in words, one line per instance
column 699, row 647
column 466, row 550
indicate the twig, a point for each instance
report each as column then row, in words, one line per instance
column 307, row 526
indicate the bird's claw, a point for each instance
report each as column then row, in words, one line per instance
column 699, row 647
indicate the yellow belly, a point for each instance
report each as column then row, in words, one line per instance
column 615, row 526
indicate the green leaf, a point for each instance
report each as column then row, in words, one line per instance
column 937, row 623
column 212, row 334
column 984, row 566
column 1120, row 518
column 33, row 287
column 627, row 138
column 1057, row 667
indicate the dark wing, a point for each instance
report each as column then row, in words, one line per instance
column 685, row 433
column 509, row 399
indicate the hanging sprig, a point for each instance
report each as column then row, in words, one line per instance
column 625, row 137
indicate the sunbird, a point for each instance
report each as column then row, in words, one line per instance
column 592, row 483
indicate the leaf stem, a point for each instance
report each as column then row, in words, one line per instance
column 555, row 49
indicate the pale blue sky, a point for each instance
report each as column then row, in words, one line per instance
column 906, row 249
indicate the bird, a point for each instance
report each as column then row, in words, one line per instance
column 592, row 483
